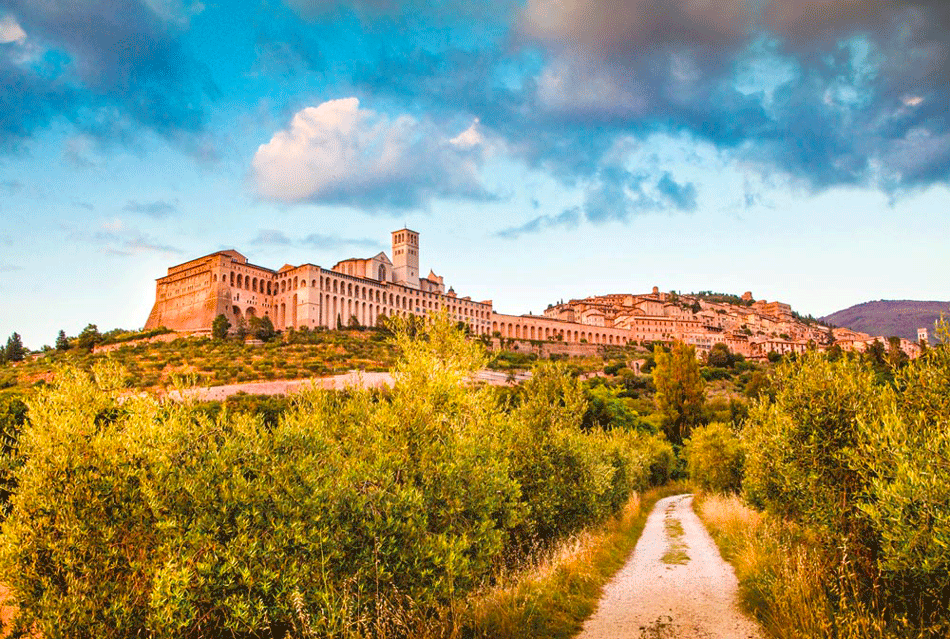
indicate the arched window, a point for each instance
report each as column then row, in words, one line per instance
column 303, row 283
column 254, row 285
column 349, row 290
column 239, row 281
column 232, row 278
column 382, row 273
column 283, row 286
column 296, row 284
column 335, row 287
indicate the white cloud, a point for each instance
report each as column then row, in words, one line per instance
column 339, row 153
column 470, row 137
column 11, row 31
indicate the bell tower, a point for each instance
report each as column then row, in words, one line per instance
column 406, row 258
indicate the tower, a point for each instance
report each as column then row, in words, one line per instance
column 406, row 257
column 922, row 336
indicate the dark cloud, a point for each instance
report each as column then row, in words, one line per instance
column 831, row 92
column 158, row 209
column 111, row 67
column 569, row 218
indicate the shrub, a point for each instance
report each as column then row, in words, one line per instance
column 138, row 518
column 714, row 458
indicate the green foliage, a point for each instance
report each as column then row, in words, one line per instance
column 680, row 390
column 241, row 331
column 89, row 337
column 220, row 327
column 343, row 511
column 714, row 458
column 62, row 342
column 720, row 356
column 262, row 328
column 864, row 464
column 14, row 352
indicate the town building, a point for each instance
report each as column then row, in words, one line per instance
column 362, row 290
column 359, row 291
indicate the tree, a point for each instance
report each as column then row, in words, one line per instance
column 89, row 337
column 896, row 356
column 720, row 355
column 680, row 390
column 220, row 327
column 264, row 329
column 15, row 351
column 62, row 342
column 241, row 331
column 354, row 323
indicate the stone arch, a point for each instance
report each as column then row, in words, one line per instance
column 293, row 313
column 349, row 290
column 240, row 280
column 335, row 287
column 236, row 311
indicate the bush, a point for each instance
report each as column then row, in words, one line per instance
column 714, row 458
column 863, row 466
column 343, row 513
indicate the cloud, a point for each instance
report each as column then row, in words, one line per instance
column 827, row 92
column 317, row 240
column 113, row 237
column 11, row 186
column 569, row 218
column 339, row 153
column 10, row 30
column 111, row 67
column 271, row 237
column 9, row 268
column 159, row 209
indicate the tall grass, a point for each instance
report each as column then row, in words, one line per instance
column 786, row 580
column 554, row 594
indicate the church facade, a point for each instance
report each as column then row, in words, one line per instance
column 191, row 295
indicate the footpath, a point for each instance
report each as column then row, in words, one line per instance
column 675, row 586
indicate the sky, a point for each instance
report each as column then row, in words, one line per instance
column 544, row 149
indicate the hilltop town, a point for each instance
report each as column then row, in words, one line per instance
column 361, row 291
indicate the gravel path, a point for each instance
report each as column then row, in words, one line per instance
column 334, row 382
column 675, row 586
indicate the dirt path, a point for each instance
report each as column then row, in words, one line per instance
column 334, row 382
column 675, row 586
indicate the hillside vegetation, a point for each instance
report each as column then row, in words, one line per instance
column 356, row 514
column 889, row 318
column 211, row 362
column 843, row 529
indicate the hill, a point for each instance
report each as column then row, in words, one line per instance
column 890, row 317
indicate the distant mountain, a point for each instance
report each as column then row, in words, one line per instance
column 890, row 317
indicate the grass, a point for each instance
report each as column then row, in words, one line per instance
column 793, row 590
column 153, row 366
column 676, row 552
column 552, row 598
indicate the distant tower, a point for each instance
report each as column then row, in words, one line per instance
column 922, row 336
column 406, row 258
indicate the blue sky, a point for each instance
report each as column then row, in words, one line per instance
column 544, row 149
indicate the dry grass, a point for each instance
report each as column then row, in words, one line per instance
column 561, row 589
column 784, row 579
